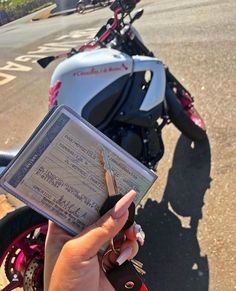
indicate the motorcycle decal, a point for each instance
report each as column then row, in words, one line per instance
column 53, row 92
column 94, row 71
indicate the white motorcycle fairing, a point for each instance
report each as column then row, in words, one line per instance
column 91, row 82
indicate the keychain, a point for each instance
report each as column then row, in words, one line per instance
column 126, row 276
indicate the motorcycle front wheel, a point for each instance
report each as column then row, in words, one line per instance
column 104, row 3
column 23, row 232
column 80, row 8
column 184, row 115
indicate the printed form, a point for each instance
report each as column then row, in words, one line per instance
column 60, row 172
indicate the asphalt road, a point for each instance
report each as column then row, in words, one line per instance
column 189, row 215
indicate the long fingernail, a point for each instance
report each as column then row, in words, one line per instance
column 123, row 204
column 124, row 255
column 137, row 227
column 140, row 238
column 139, row 233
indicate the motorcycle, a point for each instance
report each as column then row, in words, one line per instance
column 116, row 83
column 81, row 4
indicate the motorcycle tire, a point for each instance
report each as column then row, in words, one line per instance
column 80, row 8
column 193, row 129
column 103, row 3
column 16, row 227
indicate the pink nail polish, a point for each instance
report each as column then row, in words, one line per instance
column 124, row 255
column 140, row 238
column 139, row 233
column 123, row 204
column 137, row 228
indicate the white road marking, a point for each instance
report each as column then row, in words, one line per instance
column 28, row 58
column 44, row 49
column 11, row 66
column 32, row 56
column 6, row 78
column 65, row 44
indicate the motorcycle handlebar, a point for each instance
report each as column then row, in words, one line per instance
column 105, row 35
column 118, row 6
column 126, row 6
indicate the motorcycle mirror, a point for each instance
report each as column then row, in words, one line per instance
column 44, row 62
column 137, row 15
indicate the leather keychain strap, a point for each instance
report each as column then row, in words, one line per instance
column 125, row 277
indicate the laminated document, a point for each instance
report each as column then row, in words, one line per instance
column 59, row 172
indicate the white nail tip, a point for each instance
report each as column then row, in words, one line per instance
column 124, row 255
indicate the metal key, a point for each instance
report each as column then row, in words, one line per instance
column 114, row 197
column 125, row 276
column 109, row 174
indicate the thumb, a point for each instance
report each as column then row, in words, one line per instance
column 87, row 244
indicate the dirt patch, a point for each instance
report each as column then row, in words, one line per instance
column 44, row 13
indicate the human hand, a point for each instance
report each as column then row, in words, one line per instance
column 73, row 263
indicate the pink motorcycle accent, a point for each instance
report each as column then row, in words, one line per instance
column 53, row 92
column 24, row 259
column 187, row 103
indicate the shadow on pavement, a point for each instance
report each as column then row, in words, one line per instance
column 171, row 254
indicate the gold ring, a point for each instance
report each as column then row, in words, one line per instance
column 116, row 251
column 103, row 257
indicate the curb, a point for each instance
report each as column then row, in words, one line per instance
column 64, row 12
column 46, row 13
